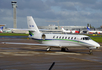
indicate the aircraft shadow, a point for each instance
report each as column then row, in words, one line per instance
column 53, row 51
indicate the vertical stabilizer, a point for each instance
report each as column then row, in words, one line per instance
column 31, row 24
column 63, row 29
column 2, row 28
column 88, row 29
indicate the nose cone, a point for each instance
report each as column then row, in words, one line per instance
column 97, row 45
column 93, row 44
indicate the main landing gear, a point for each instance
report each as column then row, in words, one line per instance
column 64, row 49
column 48, row 49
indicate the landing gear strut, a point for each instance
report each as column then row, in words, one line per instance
column 64, row 49
column 48, row 49
column 90, row 51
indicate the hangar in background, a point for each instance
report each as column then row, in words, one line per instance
column 53, row 27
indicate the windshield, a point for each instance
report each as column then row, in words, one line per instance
column 85, row 38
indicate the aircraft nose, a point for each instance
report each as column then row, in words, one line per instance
column 97, row 46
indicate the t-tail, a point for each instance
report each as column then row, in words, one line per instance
column 33, row 29
column 63, row 29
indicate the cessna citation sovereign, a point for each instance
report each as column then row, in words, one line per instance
column 62, row 41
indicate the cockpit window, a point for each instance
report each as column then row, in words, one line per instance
column 85, row 38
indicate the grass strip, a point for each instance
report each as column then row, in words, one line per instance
column 97, row 39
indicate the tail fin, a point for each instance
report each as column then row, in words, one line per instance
column 88, row 29
column 63, row 29
column 31, row 24
column 2, row 28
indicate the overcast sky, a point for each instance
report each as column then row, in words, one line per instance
column 68, row 12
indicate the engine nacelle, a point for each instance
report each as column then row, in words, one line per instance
column 38, row 36
column 43, row 36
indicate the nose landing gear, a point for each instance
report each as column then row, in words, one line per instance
column 90, row 51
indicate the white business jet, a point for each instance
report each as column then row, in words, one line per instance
column 62, row 41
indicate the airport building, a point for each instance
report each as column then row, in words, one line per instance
column 58, row 29
column 53, row 27
column 50, row 28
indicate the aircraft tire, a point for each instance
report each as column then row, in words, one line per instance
column 48, row 49
column 90, row 52
column 64, row 49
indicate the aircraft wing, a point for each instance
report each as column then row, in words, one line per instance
column 28, row 44
column 22, row 29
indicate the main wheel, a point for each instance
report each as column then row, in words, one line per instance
column 64, row 49
column 48, row 49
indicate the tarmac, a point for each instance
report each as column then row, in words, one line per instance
column 26, row 57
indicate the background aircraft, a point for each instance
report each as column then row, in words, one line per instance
column 93, row 31
column 66, row 31
column 69, row 31
column 75, row 31
column 1, row 29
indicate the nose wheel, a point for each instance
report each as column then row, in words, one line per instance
column 90, row 51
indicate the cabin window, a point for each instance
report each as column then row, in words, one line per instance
column 65, row 37
column 75, row 38
column 57, row 37
column 68, row 37
column 62, row 37
column 53, row 36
